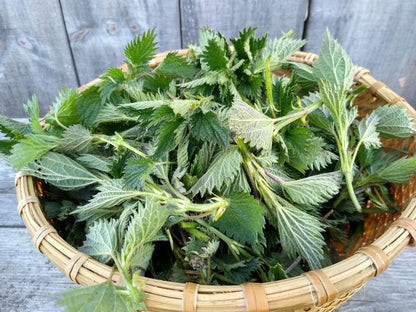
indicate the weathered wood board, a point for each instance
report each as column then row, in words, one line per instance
column 378, row 35
column 35, row 56
column 230, row 17
column 99, row 30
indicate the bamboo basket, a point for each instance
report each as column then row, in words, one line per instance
column 385, row 236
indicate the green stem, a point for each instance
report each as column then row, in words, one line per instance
column 269, row 87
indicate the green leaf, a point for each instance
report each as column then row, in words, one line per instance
column 207, row 127
column 88, row 105
column 394, row 122
column 334, row 64
column 61, row 171
column 175, row 66
column 64, row 110
column 300, row 233
column 305, row 75
column 137, row 171
column 111, row 114
column 241, row 272
column 142, row 49
column 398, row 171
column 243, row 219
column 169, row 136
column 76, row 139
column 103, row 297
column 313, row 190
column 367, row 131
column 223, row 169
column 30, row 148
column 32, row 108
column 110, row 82
column 12, row 128
column 111, row 193
column 96, row 162
column 213, row 56
column 101, row 241
column 251, row 125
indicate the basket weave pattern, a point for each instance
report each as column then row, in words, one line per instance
column 385, row 236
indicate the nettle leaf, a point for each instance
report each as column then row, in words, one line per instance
column 30, row 148
column 88, row 105
column 169, row 136
column 142, row 49
column 213, row 56
column 61, row 171
column 101, row 241
column 111, row 114
column 397, row 171
column 300, row 233
column 111, row 193
column 12, row 128
column 252, row 126
column 32, row 108
column 394, row 122
column 243, row 219
column 96, row 162
column 137, row 171
column 334, row 64
column 313, row 190
column 305, row 75
column 175, row 66
column 324, row 159
column 222, row 170
column 207, row 127
column 367, row 130
column 64, row 110
column 76, row 139
column 104, row 297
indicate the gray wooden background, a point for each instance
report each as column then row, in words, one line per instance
column 47, row 44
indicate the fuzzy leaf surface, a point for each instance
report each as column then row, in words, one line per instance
column 394, row 122
column 137, row 171
column 142, row 49
column 61, row 171
column 367, row 130
column 334, row 64
column 252, row 126
column 175, row 66
column 207, row 127
column 101, row 241
column 222, row 170
column 76, row 139
column 243, row 219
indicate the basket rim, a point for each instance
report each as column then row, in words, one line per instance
column 331, row 285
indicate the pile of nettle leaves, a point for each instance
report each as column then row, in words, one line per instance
column 209, row 168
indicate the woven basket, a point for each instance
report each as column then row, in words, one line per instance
column 385, row 236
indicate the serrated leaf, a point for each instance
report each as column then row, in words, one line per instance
column 222, row 170
column 243, row 219
column 111, row 193
column 334, row 64
column 300, row 233
column 324, row 159
column 213, row 56
column 207, row 127
column 241, row 273
column 61, row 171
column 169, row 136
column 367, row 130
column 305, row 75
column 101, row 240
column 103, row 297
column 313, row 190
column 111, row 114
column 96, row 162
column 397, row 171
column 137, row 171
column 394, row 122
column 142, row 49
column 30, row 148
column 88, row 105
column 175, row 66
column 12, row 128
column 76, row 139
column 252, row 126
column 64, row 109
column 32, row 108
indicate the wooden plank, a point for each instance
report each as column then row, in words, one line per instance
column 230, row 17
column 29, row 282
column 378, row 35
column 393, row 290
column 99, row 30
column 34, row 54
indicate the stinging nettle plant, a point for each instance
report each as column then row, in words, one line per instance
column 210, row 168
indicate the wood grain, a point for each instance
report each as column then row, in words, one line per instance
column 378, row 35
column 34, row 54
column 230, row 17
column 99, row 30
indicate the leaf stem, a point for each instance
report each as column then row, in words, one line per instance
column 269, row 87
